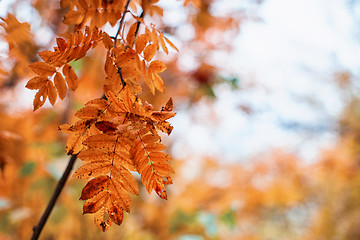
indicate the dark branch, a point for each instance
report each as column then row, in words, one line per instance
column 121, row 21
column 37, row 229
column 138, row 26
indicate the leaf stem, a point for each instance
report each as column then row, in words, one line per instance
column 37, row 229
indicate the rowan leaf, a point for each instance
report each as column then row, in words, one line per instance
column 171, row 44
column 158, row 82
column 40, row 97
column 149, row 52
column 52, row 92
column 157, row 66
column 60, row 85
column 46, row 56
column 36, row 82
column 131, row 34
column 70, row 77
column 140, row 43
column 42, row 69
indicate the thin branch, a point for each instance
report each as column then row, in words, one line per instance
column 138, row 26
column 121, row 21
column 37, row 229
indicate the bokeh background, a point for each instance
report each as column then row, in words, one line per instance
column 266, row 139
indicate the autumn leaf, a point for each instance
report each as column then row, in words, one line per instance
column 149, row 52
column 157, row 66
column 70, row 77
column 60, row 85
column 42, row 69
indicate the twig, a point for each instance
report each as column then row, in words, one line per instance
column 37, row 229
column 121, row 21
column 138, row 26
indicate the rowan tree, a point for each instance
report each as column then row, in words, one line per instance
column 101, row 66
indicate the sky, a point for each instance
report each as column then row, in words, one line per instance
column 285, row 62
column 290, row 56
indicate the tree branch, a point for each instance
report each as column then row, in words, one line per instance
column 121, row 21
column 37, row 229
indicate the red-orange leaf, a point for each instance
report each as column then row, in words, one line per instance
column 36, row 82
column 60, row 85
column 70, row 77
column 40, row 98
column 52, row 92
column 42, row 69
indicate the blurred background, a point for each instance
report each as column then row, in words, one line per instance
column 266, row 139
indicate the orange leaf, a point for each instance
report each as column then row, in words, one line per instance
column 140, row 43
column 171, row 44
column 42, row 69
column 60, row 85
column 73, row 17
column 107, row 41
column 158, row 82
column 46, row 56
column 131, row 34
column 70, row 77
column 36, row 82
column 162, row 43
column 149, row 52
column 157, row 66
column 52, row 92
column 40, row 98
column 61, row 44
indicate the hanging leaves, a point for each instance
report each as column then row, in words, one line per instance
column 74, row 48
column 118, row 134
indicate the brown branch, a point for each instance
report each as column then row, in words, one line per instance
column 121, row 21
column 37, row 229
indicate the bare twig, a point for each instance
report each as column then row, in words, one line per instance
column 37, row 229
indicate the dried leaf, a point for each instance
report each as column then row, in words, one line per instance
column 40, row 98
column 70, row 77
column 52, row 92
column 157, row 66
column 131, row 34
column 149, row 52
column 42, row 69
column 36, row 82
column 60, row 85
column 140, row 43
